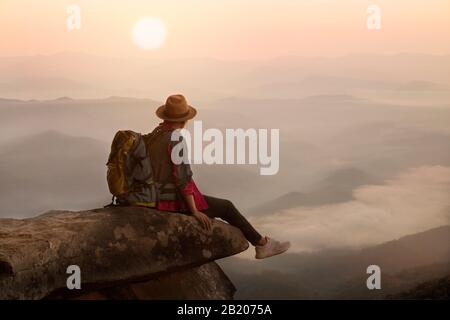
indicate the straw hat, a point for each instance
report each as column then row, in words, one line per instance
column 176, row 108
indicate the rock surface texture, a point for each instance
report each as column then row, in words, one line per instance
column 122, row 253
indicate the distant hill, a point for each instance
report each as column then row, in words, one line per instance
column 341, row 274
column 438, row 289
column 4, row 101
column 337, row 187
column 51, row 170
column 83, row 75
column 96, row 118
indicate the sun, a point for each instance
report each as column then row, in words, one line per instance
column 149, row 33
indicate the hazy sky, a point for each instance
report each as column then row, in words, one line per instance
column 227, row 29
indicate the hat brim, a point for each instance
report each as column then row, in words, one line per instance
column 191, row 114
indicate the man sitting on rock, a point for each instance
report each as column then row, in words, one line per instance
column 178, row 192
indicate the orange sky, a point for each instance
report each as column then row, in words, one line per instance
column 227, row 29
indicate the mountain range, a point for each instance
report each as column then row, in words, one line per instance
column 397, row 77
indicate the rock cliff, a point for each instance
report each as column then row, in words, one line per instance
column 121, row 252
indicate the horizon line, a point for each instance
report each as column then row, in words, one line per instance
column 273, row 58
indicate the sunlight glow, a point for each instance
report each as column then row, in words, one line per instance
column 149, row 33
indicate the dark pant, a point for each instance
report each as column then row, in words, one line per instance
column 225, row 210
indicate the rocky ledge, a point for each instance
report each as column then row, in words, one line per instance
column 121, row 252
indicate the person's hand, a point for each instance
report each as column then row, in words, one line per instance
column 205, row 221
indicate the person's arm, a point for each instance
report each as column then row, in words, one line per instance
column 185, row 187
column 200, row 216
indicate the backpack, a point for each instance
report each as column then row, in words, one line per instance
column 129, row 175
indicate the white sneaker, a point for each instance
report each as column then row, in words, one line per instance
column 271, row 248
